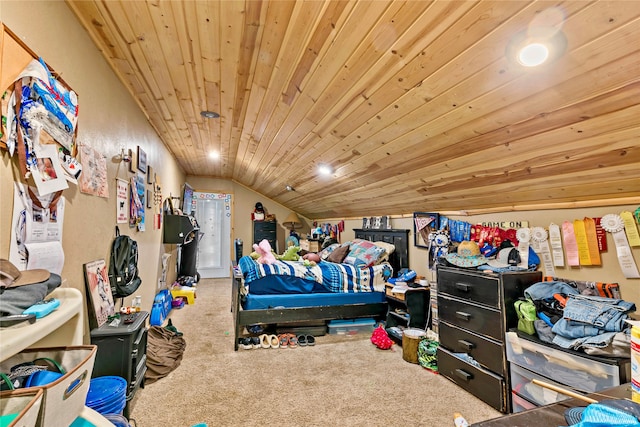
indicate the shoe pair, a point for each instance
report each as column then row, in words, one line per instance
column 248, row 343
column 288, row 340
column 306, row 340
column 269, row 341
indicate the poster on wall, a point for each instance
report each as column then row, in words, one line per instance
column 122, row 188
column 136, row 202
column 99, row 290
column 36, row 229
column 94, row 176
column 48, row 174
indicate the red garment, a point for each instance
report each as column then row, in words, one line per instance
column 381, row 339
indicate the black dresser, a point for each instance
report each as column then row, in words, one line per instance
column 397, row 237
column 265, row 230
column 475, row 311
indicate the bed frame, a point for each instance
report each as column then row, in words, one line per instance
column 244, row 318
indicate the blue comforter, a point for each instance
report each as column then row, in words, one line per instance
column 324, row 277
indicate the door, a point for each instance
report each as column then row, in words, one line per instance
column 213, row 213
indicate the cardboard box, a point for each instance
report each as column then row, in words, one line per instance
column 25, row 403
column 310, row 245
column 64, row 399
column 388, row 290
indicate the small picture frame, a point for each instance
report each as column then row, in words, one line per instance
column 133, row 161
column 149, row 199
column 142, row 160
column 100, row 302
column 150, row 176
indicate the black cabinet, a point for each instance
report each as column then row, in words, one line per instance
column 409, row 311
column 475, row 311
column 180, row 229
column 265, row 230
column 122, row 352
column 399, row 238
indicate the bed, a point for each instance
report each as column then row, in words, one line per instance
column 289, row 292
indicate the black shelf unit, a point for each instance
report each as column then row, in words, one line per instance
column 184, row 231
column 122, row 352
column 410, row 312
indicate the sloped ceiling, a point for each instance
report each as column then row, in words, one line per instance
column 415, row 105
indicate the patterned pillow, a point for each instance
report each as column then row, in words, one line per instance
column 327, row 251
column 364, row 254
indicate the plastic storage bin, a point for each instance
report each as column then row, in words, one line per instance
column 350, row 327
column 522, row 385
column 520, row 404
column 64, row 399
column 20, row 407
column 580, row 371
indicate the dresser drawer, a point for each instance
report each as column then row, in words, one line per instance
column 586, row 374
column 486, row 351
column 521, row 384
column 470, row 316
column 478, row 288
column 480, row 382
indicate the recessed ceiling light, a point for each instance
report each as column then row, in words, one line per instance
column 533, row 54
column 209, row 114
column 325, row 170
column 214, row 155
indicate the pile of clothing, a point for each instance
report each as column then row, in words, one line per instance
column 579, row 320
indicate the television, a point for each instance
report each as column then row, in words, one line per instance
column 187, row 199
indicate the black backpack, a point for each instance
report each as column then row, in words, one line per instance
column 123, row 267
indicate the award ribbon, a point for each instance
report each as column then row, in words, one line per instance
column 630, row 228
column 581, row 240
column 570, row 244
column 555, row 238
column 614, row 224
column 541, row 245
column 592, row 241
column 602, row 235
column 524, row 236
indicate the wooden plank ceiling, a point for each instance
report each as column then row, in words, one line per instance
column 416, row 105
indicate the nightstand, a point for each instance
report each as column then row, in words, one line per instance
column 310, row 245
column 408, row 310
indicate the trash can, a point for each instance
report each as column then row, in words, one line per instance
column 410, row 340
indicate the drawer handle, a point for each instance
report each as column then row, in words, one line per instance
column 466, row 344
column 463, row 316
column 463, row 287
column 464, row 375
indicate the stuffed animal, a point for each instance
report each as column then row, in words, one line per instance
column 291, row 254
column 264, row 250
column 312, row 256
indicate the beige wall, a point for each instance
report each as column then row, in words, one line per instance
column 108, row 119
column 608, row 272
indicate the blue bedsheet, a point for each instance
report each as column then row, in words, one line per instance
column 295, row 277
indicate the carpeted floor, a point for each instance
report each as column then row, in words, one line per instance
column 341, row 381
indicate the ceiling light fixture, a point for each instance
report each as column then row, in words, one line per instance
column 325, row 170
column 289, row 188
column 214, row 155
column 543, row 41
column 209, row 114
column 533, row 54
